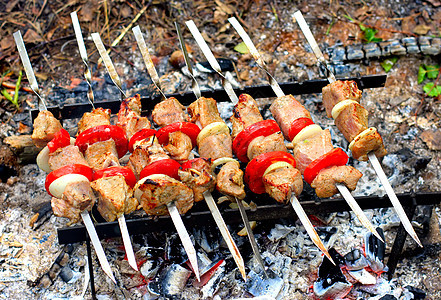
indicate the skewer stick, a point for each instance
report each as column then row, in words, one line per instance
column 279, row 93
column 372, row 158
column 87, row 74
column 299, row 210
column 207, row 195
column 172, row 209
column 107, row 62
column 83, row 54
column 42, row 106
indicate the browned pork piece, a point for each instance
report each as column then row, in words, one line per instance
column 338, row 91
column 324, row 183
column 45, row 127
column 101, row 155
column 218, row 145
column 352, row 119
column 245, row 113
column 169, row 111
column 287, row 109
column 66, row 156
column 98, row 116
column 129, row 116
column 281, row 182
column 204, row 112
column 155, row 191
column 179, row 146
column 198, row 177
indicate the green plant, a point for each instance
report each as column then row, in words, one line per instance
column 432, row 89
column 14, row 100
column 368, row 32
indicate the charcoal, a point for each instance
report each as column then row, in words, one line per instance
column 397, row 48
column 413, row 160
column 372, row 50
column 355, row 53
column 338, row 54
column 386, row 48
column 355, row 260
column 150, row 268
column 259, row 285
column 418, row 294
column 225, row 64
column 375, row 251
column 411, row 45
column 175, row 252
column 66, row 274
column 388, row 297
column 6, row 172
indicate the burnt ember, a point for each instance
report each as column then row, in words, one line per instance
column 375, row 251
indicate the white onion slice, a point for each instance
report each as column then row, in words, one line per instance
column 340, row 106
column 306, row 132
column 221, row 161
column 361, row 135
column 57, row 187
column 277, row 165
column 212, row 128
column 43, row 157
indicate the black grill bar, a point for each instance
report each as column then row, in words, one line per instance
column 138, row 226
column 72, row 111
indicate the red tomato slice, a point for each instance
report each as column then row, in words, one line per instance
column 128, row 174
column 244, row 138
column 140, row 135
column 103, row 133
column 256, row 167
column 190, row 129
column 335, row 157
column 61, row 139
column 164, row 166
column 189, row 163
column 297, row 126
column 69, row 169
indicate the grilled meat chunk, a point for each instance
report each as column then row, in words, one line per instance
column 77, row 197
column 261, row 144
column 229, row 181
column 204, row 111
column 281, row 183
column 216, row 146
column 129, row 116
column 198, row 177
column 66, row 156
column 146, row 152
column 115, row 197
column 98, row 116
column 245, row 113
column 371, row 141
column 312, row 148
column 287, row 109
column 45, row 127
column 155, row 191
column 168, row 112
column 324, row 183
column 339, row 91
column 102, row 155
column 352, row 121
column 179, row 146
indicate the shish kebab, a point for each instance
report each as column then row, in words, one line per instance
column 122, row 203
column 272, row 169
column 169, row 113
column 341, row 100
column 298, row 128
column 205, row 113
column 155, row 187
column 70, row 180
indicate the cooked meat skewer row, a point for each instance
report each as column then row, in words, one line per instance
column 268, row 160
column 170, row 112
column 341, row 102
column 322, row 166
column 47, row 128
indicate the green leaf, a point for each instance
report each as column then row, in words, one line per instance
column 421, row 74
column 431, row 90
column 6, row 95
column 369, row 34
column 389, row 63
column 432, row 71
column 242, row 48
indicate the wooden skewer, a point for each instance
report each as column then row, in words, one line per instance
column 372, row 158
column 207, row 195
column 229, row 89
column 88, row 75
column 173, row 211
column 42, row 106
column 279, row 93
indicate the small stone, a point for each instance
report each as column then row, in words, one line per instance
column 177, row 59
column 66, row 274
column 53, row 272
column 45, row 282
column 432, row 139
